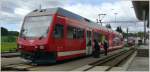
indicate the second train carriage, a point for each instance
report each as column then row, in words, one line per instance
column 55, row 34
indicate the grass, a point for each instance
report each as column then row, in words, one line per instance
column 8, row 43
column 8, row 46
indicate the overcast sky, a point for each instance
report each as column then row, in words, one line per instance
column 12, row 12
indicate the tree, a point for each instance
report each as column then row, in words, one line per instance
column 119, row 29
column 13, row 33
column 4, row 31
column 108, row 26
column 140, row 34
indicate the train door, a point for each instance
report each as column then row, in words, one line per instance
column 59, row 36
column 88, row 43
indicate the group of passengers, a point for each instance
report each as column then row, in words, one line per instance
column 98, row 46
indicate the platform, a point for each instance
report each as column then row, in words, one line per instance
column 141, row 61
column 143, row 51
column 139, row 64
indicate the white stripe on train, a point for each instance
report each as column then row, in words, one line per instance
column 66, row 53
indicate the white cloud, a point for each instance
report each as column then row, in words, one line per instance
column 21, row 11
column 15, row 14
column 123, row 8
column 87, row 11
column 124, row 11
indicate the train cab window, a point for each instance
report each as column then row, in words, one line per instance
column 58, row 31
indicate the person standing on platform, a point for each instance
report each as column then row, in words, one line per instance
column 106, row 46
column 96, row 51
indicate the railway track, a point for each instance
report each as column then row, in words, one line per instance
column 111, row 61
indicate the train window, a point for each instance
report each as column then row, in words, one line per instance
column 71, row 32
column 75, row 33
column 58, row 31
column 36, row 26
column 79, row 33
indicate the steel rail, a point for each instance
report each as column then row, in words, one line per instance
column 104, row 60
column 118, row 60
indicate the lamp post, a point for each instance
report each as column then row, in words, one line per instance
column 115, row 17
column 127, row 33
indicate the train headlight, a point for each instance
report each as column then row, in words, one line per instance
column 41, row 47
column 19, row 46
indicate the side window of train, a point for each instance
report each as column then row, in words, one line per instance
column 79, row 33
column 70, row 31
column 74, row 33
column 58, row 31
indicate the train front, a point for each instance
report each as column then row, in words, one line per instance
column 33, row 38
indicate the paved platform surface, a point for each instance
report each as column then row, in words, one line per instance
column 10, row 54
column 139, row 64
column 13, row 60
column 141, row 61
column 143, row 47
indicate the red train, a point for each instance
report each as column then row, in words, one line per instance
column 55, row 34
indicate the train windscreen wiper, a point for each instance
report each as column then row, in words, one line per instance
column 43, row 34
column 22, row 33
column 41, row 37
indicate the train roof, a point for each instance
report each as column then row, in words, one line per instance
column 69, row 14
column 57, row 10
column 97, row 26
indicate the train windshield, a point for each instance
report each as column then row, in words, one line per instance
column 36, row 26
